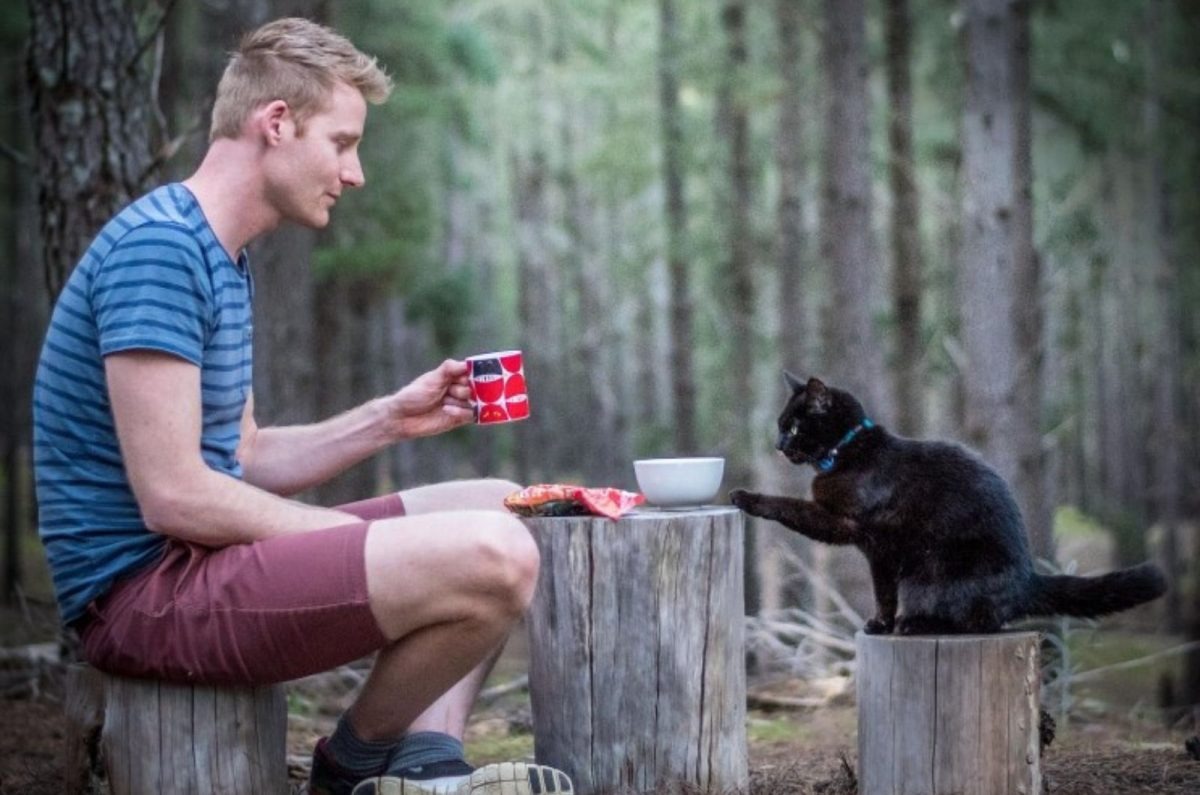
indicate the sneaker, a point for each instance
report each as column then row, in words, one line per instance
column 326, row 778
column 458, row 778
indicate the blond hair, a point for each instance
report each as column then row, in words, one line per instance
column 295, row 60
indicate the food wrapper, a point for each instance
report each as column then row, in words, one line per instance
column 549, row 499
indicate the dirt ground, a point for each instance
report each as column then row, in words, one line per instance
column 819, row 757
column 1102, row 751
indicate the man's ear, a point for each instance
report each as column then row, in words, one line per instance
column 816, row 396
column 794, row 383
column 273, row 119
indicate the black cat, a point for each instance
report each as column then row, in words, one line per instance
column 940, row 529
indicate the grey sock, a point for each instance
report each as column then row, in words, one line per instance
column 425, row 748
column 355, row 755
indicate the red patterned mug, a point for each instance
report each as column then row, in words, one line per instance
column 498, row 387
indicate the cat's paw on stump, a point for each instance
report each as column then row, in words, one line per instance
column 876, row 626
column 744, row 500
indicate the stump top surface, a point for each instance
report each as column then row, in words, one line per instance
column 1005, row 635
column 647, row 514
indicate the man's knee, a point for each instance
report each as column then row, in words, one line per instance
column 481, row 565
column 508, row 560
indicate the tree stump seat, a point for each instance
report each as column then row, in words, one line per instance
column 948, row 714
column 145, row 737
column 637, row 672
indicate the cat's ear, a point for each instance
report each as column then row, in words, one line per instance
column 816, row 396
column 794, row 383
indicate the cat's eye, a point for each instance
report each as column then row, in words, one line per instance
column 795, row 429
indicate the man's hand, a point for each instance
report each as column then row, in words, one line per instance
column 434, row 402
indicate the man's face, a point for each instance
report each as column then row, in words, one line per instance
column 306, row 173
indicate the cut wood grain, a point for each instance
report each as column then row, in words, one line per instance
column 637, row 669
column 948, row 715
column 141, row 736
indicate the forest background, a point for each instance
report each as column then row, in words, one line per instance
column 980, row 216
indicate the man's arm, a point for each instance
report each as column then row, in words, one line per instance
column 156, row 405
column 290, row 459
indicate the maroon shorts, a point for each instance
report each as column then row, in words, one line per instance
column 258, row 613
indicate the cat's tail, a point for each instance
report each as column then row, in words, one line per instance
column 1089, row 597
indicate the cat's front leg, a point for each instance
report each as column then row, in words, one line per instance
column 763, row 506
column 886, row 586
column 803, row 516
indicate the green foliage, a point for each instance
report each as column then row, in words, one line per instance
column 1087, row 69
column 445, row 301
column 1070, row 521
column 499, row 748
column 469, row 50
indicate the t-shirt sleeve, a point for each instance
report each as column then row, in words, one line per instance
column 154, row 292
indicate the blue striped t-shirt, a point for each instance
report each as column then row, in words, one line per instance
column 155, row 278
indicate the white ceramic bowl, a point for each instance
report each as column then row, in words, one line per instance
column 679, row 482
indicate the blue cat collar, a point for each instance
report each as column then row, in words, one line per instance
column 826, row 462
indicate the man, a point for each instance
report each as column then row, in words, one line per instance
column 173, row 550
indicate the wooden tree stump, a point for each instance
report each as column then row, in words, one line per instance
column 637, row 665
column 948, row 714
column 141, row 737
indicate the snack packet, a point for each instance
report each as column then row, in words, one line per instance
column 549, row 499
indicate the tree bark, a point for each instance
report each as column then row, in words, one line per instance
column 91, row 122
column 1166, row 435
column 682, row 339
column 534, row 313
column 849, row 251
column 1028, row 321
column 593, row 401
column 22, row 321
column 789, row 210
column 637, row 665
column 906, row 226
column 989, row 138
column 737, row 276
column 948, row 715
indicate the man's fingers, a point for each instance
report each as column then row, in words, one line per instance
column 454, row 369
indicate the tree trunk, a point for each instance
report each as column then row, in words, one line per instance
column 534, row 313
column 737, row 276
column 285, row 365
column 151, row 736
column 637, row 674
column 22, row 322
column 1166, row 432
column 789, row 211
column 948, row 715
column 1031, row 482
column 987, row 282
column 91, row 122
column 343, row 311
column 682, row 339
column 849, row 251
column 593, row 402
column 793, row 337
column 906, row 227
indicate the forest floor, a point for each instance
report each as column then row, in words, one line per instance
column 1111, row 745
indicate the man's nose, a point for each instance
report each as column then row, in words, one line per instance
column 352, row 174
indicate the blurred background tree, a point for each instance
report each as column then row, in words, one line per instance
column 982, row 217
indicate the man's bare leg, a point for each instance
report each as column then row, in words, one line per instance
column 375, row 713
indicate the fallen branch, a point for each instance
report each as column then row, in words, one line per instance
column 1095, row 673
column 521, row 683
